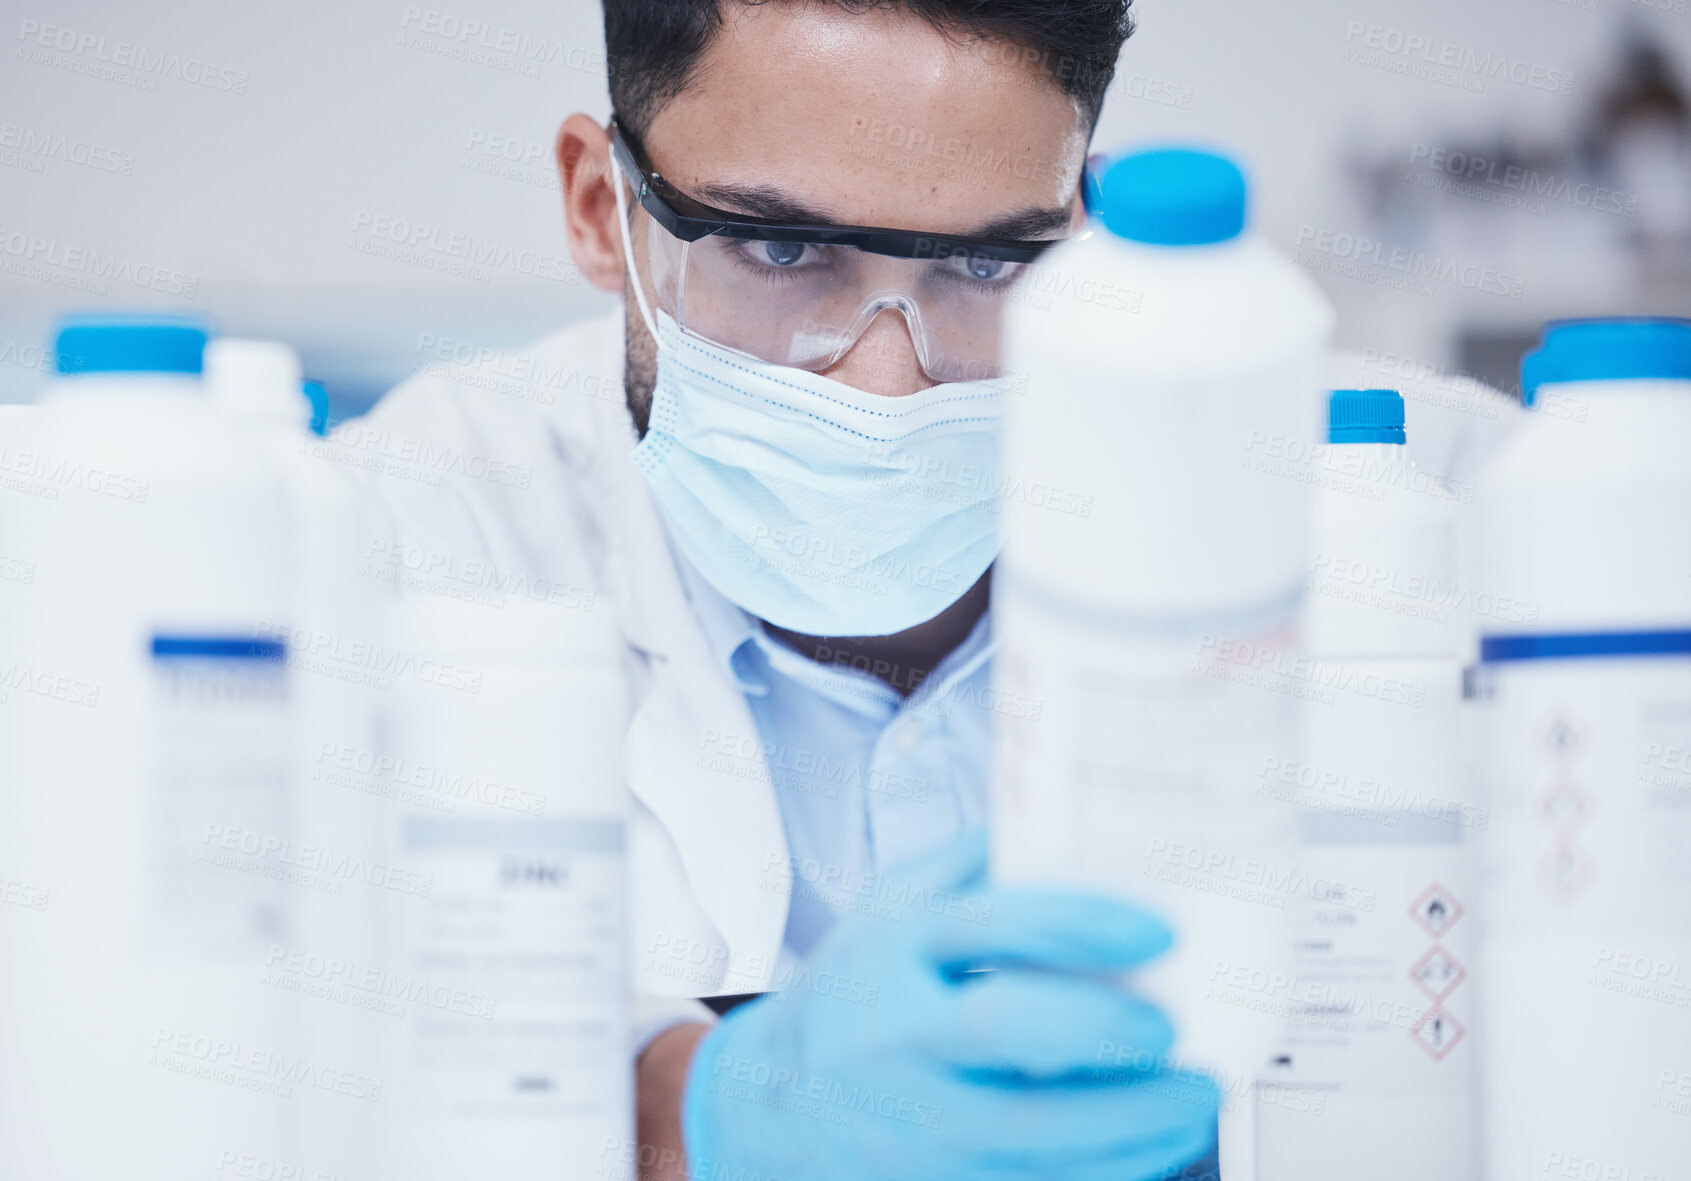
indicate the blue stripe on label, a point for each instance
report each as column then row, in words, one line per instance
column 1577, row 645
column 218, row 648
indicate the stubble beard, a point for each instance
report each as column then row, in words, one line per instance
column 640, row 364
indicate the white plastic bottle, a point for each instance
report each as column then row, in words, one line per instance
column 339, row 604
column 1148, row 595
column 13, row 420
column 505, row 1053
column 1586, row 971
column 147, row 723
column 1375, row 1076
column 17, row 574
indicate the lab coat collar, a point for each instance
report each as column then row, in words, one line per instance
column 728, row 628
column 725, row 823
column 634, row 533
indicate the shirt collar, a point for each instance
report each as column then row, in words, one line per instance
column 962, row 661
column 734, row 636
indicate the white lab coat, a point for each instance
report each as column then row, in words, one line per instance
column 548, row 490
column 557, row 497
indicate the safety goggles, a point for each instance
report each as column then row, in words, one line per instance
column 802, row 295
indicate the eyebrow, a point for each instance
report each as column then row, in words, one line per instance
column 771, row 204
column 1027, row 225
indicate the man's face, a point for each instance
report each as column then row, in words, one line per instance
column 809, row 112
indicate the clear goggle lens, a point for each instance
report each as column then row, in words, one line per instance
column 804, row 305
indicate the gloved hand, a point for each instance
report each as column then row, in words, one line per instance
column 954, row 1072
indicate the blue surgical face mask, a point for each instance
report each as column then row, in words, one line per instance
column 815, row 506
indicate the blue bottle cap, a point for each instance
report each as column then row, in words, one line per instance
column 1365, row 416
column 1174, row 197
column 1607, row 350
column 319, row 399
column 108, row 343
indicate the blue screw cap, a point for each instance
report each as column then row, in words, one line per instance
column 1174, row 197
column 1607, row 350
column 1365, row 416
column 107, row 343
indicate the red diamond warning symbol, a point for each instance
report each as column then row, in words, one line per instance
column 1438, row 972
column 1568, row 871
column 1436, row 910
column 1565, row 805
column 1437, row 1033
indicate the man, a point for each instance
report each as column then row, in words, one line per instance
column 815, row 210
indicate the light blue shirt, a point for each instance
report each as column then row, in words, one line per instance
column 865, row 778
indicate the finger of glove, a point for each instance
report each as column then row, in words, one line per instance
column 1057, row 929
column 1189, row 1157
column 1045, row 1025
column 1042, row 1127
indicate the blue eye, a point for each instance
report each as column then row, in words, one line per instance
column 781, row 254
column 985, row 269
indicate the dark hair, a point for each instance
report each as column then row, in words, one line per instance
column 653, row 46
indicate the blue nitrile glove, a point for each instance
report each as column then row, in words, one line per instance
column 890, row 1056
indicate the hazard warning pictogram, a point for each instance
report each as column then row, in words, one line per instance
column 1437, row 1033
column 1436, row 910
column 1563, row 738
column 1566, row 805
column 1568, row 870
column 1438, row 972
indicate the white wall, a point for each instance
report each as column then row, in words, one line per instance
column 252, row 202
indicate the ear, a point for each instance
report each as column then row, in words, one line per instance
column 586, row 174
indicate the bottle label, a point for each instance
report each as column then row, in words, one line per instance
column 522, row 931
column 1589, row 778
column 220, row 747
column 1134, row 772
column 1586, row 959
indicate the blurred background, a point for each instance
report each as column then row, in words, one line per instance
column 373, row 182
